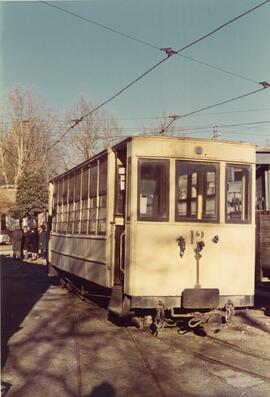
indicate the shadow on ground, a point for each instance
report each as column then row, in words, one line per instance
column 22, row 285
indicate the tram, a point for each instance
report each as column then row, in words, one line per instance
column 164, row 224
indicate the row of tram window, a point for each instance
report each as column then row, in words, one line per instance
column 80, row 206
column 196, row 191
column 80, row 198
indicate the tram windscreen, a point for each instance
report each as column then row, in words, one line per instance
column 237, row 193
column 196, row 191
column 153, row 189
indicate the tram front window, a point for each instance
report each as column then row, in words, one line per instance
column 237, row 193
column 153, row 189
column 196, row 191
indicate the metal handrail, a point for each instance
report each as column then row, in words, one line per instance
column 121, row 250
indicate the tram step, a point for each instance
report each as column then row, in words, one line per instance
column 116, row 304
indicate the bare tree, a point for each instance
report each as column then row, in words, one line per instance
column 26, row 134
column 94, row 133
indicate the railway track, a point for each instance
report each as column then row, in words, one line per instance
column 214, row 351
column 224, row 357
column 156, row 383
column 233, row 346
column 147, row 365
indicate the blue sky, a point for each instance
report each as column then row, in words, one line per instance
column 63, row 57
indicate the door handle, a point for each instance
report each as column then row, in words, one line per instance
column 121, row 253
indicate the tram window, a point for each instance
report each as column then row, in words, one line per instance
column 59, row 192
column 196, row 191
column 102, row 210
column 55, row 207
column 153, row 189
column 85, row 209
column 54, row 218
column 64, row 205
column 77, row 186
column 128, row 188
column 93, row 199
column 71, row 188
column 92, row 217
column 102, row 177
column 71, row 203
column 64, row 219
column 60, row 207
column 70, row 218
column 65, row 190
column 55, row 193
column 237, row 193
column 85, row 183
column 77, row 205
column 102, row 214
column 120, row 190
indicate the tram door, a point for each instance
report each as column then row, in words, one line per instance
column 120, row 198
column 119, row 258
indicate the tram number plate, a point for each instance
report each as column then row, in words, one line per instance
column 200, row 298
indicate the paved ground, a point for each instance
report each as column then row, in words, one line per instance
column 54, row 344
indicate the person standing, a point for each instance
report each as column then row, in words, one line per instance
column 26, row 242
column 16, row 238
column 42, row 242
column 33, row 238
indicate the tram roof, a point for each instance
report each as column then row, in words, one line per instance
column 121, row 144
column 263, row 157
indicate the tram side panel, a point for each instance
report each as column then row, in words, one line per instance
column 81, row 256
column 88, row 256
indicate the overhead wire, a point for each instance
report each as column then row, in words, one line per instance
column 176, row 117
column 128, row 36
column 61, row 122
column 224, row 125
column 158, row 64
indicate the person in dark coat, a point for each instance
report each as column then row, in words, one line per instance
column 26, row 242
column 33, row 238
column 42, row 242
column 16, row 238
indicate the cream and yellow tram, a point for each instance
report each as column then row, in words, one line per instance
column 161, row 223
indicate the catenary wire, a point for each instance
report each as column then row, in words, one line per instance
column 190, row 128
column 154, row 46
column 176, row 117
column 151, row 118
column 154, row 67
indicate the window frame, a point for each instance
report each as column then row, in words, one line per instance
column 102, row 192
column 166, row 162
column 85, row 177
column 247, row 221
column 77, row 202
column 179, row 218
column 93, row 195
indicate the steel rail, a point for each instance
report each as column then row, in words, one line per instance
column 212, row 360
column 146, row 363
column 248, row 352
column 234, row 367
